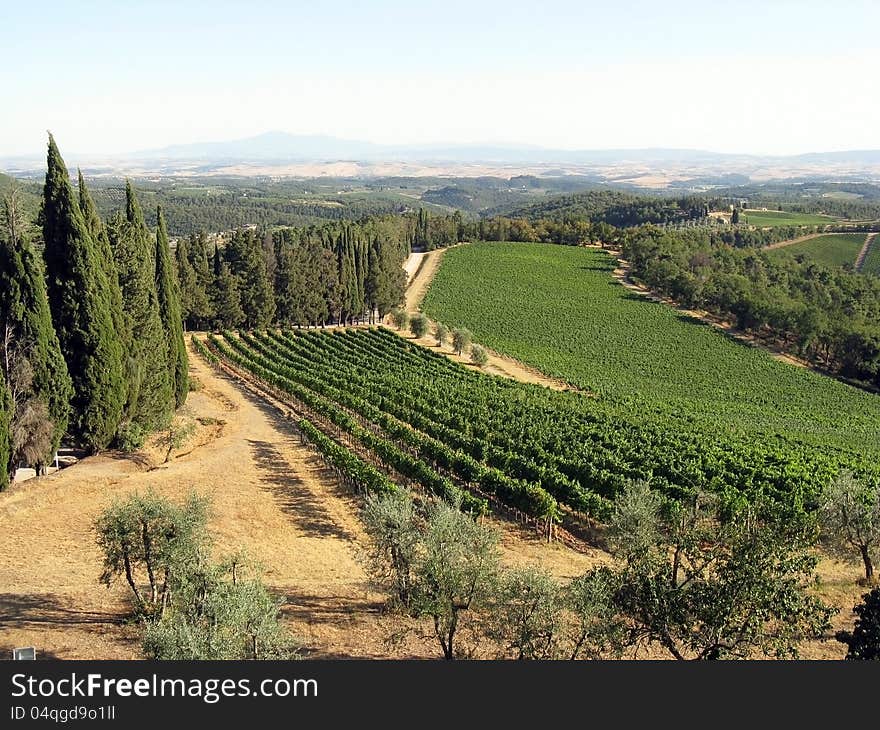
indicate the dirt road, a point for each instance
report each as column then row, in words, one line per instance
column 422, row 267
column 270, row 496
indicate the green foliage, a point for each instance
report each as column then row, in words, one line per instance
column 871, row 264
column 680, row 379
column 27, row 330
column 479, row 356
column 226, row 300
column 850, row 519
column 704, row 588
column 461, row 339
column 153, row 545
column 863, row 641
column 219, row 613
column 244, row 254
column 827, row 316
column 150, row 397
column 441, row 333
column 449, row 564
column 763, row 218
column 525, row 617
column 595, row 630
column 168, row 296
column 418, row 325
column 400, row 318
column 80, row 293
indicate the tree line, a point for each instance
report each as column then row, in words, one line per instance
column 338, row 273
column 829, row 316
column 92, row 344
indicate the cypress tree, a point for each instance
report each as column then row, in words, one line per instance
column 186, row 280
column 248, row 264
column 24, row 313
column 202, row 309
column 80, row 302
column 169, row 309
column 150, row 398
column 4, row 432
column 227, row 302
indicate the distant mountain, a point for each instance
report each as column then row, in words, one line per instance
column 278, row 146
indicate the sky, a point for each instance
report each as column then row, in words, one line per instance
column 771, row 77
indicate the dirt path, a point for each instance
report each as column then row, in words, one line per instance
column 270, row 496
column 860, row 259
column 422, row 267
column 792, row 241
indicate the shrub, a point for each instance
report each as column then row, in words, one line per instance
column 479, row 356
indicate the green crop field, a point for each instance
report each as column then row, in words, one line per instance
column 834, row 249
column 765, row 218
column 871, row 264
column 559, row 308
column 391, row 415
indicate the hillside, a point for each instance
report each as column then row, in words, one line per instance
column 641, row 356
column 835, row 249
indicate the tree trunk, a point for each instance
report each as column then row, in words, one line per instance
column 869, row 565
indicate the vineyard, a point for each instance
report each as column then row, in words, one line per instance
column 833, row 249
column 770, row 218
column 871, row 264
column 388, row 414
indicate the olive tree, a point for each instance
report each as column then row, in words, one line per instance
column 461, row 338
column 706, row 588
column 152, row 544
column 479, row 356
column 400, row 318
column 525, row 615
column 437, row 563
column 593, row 628
column 418, row 325
column 220, row 612
column 850, row 519
column 441, row 334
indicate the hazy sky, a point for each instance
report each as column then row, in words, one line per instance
column 778, row 76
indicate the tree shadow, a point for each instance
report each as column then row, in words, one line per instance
column 46, row 612
column 292, row 494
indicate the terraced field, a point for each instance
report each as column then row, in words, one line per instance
column 833, row 249
column 559, row 309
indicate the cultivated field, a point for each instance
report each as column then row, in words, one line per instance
column 769, row 218
column 871, row 264
column 833, row 249
column 559, row 309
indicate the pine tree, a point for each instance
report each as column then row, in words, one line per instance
column 27, row 325
column 150, row 398
column 169, row 310
column 80, row 302
column 4, row 433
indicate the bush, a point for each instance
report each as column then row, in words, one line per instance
column 479, row 356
